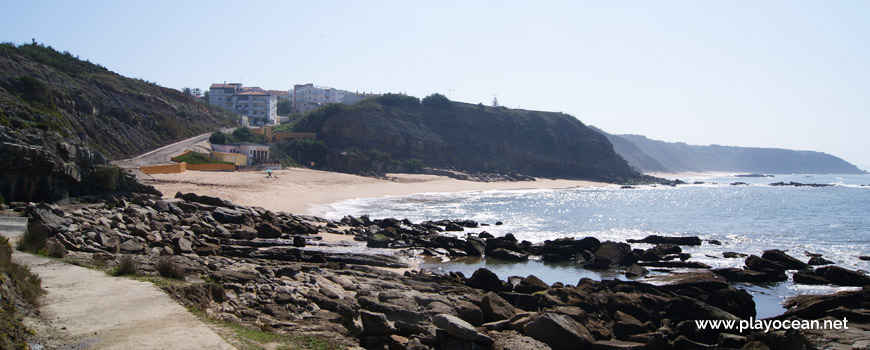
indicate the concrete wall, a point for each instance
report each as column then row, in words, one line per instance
column 182, row 167
column 164, row 169
column 211, row 167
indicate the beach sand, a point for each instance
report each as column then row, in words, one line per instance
column 310, row 192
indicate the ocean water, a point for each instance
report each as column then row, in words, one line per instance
column 832, row 221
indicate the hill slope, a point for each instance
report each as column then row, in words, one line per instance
column 62, row 117
column 679, row 157
column 468, row 138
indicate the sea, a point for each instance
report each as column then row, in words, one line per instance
column 747, row 218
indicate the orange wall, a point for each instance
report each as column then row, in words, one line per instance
column 212, row 167
column 164, row 169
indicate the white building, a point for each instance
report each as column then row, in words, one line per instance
column 222, row 94
column 254, row 151
column 307, row 97
column 256, row 106
column 260, row 107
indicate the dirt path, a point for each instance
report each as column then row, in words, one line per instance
column 88, row 309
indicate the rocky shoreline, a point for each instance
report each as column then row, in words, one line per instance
column 274, row 271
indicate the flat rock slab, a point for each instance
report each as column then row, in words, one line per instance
column 92, row 309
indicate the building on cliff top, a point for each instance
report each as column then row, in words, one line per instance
column 256, row 106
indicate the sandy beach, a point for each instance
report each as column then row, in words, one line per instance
column 306, row 191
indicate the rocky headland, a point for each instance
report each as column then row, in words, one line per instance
column 287, row 273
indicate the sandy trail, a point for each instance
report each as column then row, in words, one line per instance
column 89, row 309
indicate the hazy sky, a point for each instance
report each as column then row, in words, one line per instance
column 788, row 74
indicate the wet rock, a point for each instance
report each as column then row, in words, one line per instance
column 455, row 326
column 809, row 276
column 635, row 271
column 733, row 255
column 608, row 254
column 756, row 263
column 818, row 260
column 784, row 259
column 299, row 241
column 207, row 200
column 750, row 276
column 656, row 239
column 559, row 332
column 843, row 277
column 731, row 341
column 509, row 255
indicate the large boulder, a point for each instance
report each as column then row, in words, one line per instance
column 608, row 254
column 455, row 326
column 485, row 279
column 495, row 308
column 784, row 259
column 843, row 277
column 509, row 255
column 560, row 332
column 230, row 216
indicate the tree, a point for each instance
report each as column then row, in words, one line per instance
column 285, row 107
column 187, row 91
column 205, row 95
column 197, row 92
column 218, row 138
column 438, row 101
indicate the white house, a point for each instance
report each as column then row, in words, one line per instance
column 256, row 106
column 307, row 97
column 254, row 151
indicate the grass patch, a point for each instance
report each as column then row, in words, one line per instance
column 250, row 338
column 198, row 158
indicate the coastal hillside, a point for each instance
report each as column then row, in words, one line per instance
column 63, row 118
column 649, row 155
column 398, row 129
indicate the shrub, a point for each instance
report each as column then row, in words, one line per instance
column 34, row 238
column 437, row 101
column 27, row 283
column 127, row 265
column 167, row 268
column 54, row 249
column 398, row 100
column 218, row 138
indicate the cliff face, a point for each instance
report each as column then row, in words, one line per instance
column 471, row 138
column 678, row 157
column 63, row 118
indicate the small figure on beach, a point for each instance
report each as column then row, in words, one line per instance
column 268, row 172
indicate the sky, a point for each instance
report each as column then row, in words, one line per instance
column 784, row 74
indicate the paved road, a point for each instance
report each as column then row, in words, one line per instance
column 89, row 309
column 161, row 155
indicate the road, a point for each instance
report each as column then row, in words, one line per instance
column 89, row 309
column 161, row 155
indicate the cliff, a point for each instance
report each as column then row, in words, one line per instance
column 680, row 157
column 62, row 119
column 465, row 137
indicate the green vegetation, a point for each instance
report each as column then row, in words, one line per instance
column 198, row 158
column 242, row 134
column 285, row 107
column 106, row 178
column 34, row 238
column 64, row 62
column 127, row 265
column 303, row 151
column 169, row 269
column 15, row 279
column 397, row 100
column 248, row 338
column 437, row 101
